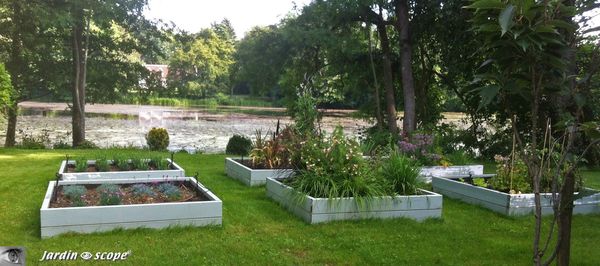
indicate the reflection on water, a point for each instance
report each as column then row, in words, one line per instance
column 189, row 130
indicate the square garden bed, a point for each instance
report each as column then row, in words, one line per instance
column 252, row 177
column 587, row 201
column 427, row 172
column 66, row 172
column 195, row 206
column 318, row 210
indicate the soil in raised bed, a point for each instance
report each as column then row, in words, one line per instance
column 261, row 166
column 189, row 193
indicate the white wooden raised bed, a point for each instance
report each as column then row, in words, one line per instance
column 89, row 219
column 252, row 177
column 319, row 210
column 177, row 171
column 509, row 204
column 427, row 172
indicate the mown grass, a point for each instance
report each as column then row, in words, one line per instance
column 257, row 231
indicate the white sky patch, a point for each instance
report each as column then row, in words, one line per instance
column 193, row 15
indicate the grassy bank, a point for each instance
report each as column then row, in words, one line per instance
column 258, row 231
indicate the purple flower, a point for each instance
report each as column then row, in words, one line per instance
column 407, row 147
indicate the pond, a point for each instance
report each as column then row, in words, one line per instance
column 192, row 129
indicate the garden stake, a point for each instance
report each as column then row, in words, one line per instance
column 172, row 160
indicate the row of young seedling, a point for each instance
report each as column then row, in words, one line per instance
column 112, row 194
column 103, row 164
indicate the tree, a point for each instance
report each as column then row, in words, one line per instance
column 402, row 25
column 526, row 79
column 6, row 90
column 201, row 66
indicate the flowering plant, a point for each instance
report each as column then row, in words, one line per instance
column 420, row 147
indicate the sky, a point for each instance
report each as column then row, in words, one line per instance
column 193, row 15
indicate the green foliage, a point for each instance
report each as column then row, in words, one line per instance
column 139, row 164
column 157, row 139
column 458, row 157
column 333, row 168
column 238, row 145
column 81, row 165
column 86, row 144
column 110, row 194
column 121, row 163
column 374, row 141
column 172, row 192
column 511, row 177
column 159, row 163
column 142, row 191
column 6, row 89
column 101, row 164
column 75, row 193
column 29, row 141
column 304, row 111
column 400, row 173
column 202, row 63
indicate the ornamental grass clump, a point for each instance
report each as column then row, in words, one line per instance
column 110, row 194
column 400, row 173
column 333, row 168
column 75, row 193
column 81, row 165
column 159, row 163
column 275, row 152
column 101, row 164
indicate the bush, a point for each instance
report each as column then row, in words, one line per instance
column 110, row 194
column 75, row 194
column 157, row 139
column 334, row 168
column 62, row 145
column 238, row 145
column 86, row 144
column 277, row 152
column 505, row 181
column 29, row 141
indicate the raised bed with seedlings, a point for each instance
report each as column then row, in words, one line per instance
column 119, row 168
column 269, row 157
column 337, row 183
column 510, row 193
column 86, row 206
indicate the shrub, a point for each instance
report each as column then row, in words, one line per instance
column 142, row 191
column 515, row 181
column 170, row 191
column 29, row 141
column 334, row 168
column 86, row 144
column 62, row 145
column 110, row 194
column 238, row 145
column 276, row 152
column 400, row 173
column 75, row 194
column 421, row 148
column 157, row 139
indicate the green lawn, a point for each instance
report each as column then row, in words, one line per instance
column 258, row 231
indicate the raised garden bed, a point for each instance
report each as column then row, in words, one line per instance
column 196, row 206
column 511, row 204
column 252, row 177
column 67, row 172
column 444, row 171
column 320, row 210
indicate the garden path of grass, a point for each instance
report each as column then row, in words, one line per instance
column 258, row 231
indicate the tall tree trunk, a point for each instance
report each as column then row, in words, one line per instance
column 15, row 67
column 79, row 70
column 11, row 128
column 408, row 85
column 565, row 215
column 378, row 114
column 388, row 81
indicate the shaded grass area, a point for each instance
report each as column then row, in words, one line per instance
column 258, row 231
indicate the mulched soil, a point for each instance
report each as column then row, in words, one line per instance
column 92, row 197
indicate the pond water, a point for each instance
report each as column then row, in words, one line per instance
column 125, row 125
